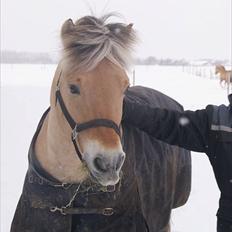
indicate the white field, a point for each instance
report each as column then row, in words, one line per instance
column 25, row 96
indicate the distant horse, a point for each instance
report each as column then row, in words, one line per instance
column 225, row 75
column 86, row 171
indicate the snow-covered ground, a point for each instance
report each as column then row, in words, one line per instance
column 25, row 93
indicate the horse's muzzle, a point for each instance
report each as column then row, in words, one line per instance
column 106, row 168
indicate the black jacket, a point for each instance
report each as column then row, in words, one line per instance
column 208, row 130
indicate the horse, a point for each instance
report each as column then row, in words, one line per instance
column 225, row 75
column 88, row 170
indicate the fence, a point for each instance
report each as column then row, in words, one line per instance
column 201, row 71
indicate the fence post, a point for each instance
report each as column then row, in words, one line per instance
column 133, row 78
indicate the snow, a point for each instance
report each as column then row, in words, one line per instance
column 183, row 121
column 25, row 91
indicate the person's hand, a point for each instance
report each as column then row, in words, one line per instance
column 130, row 107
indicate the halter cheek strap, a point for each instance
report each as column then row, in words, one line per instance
column 76, row 127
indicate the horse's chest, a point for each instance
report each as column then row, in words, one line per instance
column 123, row 200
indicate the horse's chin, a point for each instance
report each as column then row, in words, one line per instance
column 103, row 180
column 107, row 183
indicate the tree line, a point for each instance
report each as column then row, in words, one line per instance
column 14, row 57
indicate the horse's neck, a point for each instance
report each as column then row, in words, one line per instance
column 55, row 151
column 222, row 68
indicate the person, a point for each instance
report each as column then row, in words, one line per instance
column 207, row 130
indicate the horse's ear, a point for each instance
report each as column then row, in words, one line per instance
column 67, row 28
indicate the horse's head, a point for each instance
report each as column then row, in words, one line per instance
column 92, row 84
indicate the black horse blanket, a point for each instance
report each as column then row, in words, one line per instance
column 156, row 178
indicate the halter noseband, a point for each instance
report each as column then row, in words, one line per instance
column 76, row 127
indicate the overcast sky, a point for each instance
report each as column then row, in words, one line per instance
column 189, row 29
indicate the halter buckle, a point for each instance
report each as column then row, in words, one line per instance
column 74, row 133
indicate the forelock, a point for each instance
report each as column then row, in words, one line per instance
column 91, row 39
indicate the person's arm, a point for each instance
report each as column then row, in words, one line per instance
column 187, row 129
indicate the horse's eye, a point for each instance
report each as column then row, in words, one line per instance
column 74, row 89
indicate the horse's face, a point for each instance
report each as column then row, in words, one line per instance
column 92, row 95
column 95, row 54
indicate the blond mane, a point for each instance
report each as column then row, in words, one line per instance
column 91, row 39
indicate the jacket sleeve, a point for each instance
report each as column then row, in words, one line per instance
column 187, row 129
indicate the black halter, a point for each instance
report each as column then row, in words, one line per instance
column 76, row 127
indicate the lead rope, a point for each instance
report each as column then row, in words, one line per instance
column 62, row 208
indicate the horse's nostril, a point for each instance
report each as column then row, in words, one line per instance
column 120, row 161
column 100, row 164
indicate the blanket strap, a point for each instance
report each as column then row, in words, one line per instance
column 65, row 211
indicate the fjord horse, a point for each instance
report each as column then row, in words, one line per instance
column 225, row 75
column 87, row 172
